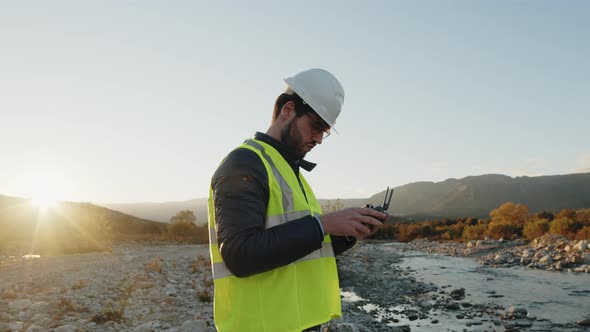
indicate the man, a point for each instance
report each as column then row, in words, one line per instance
column 272, row 249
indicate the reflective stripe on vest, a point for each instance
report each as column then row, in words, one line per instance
column 285, row 189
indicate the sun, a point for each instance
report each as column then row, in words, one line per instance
column 45, row 189
column 44, row 201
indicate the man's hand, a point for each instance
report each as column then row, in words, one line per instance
column 357, row 222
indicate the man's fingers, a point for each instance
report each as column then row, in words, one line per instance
column 374, row 230
column 373, row 213
column 371, row 221
column 362, row 229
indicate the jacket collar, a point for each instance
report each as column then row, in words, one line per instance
column 295, row 163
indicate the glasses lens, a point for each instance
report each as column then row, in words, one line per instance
column 318, row 127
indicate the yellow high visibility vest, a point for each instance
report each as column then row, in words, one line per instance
column 289, row 298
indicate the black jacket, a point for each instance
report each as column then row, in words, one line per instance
column 240, row 196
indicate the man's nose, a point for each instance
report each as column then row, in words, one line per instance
column 318, row 137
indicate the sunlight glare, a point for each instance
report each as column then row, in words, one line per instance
column 44, row 201
column 45, row 188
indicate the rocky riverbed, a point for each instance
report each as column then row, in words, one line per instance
column 550, row 252
column 168, row 287
column 134, row 287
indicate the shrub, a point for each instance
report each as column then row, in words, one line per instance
column 205, row 296
column 408, row 232
column 201, row 262
column 154, row 265
column 545, row 215
column 107, row 315
column 66, row 304
column 510, row 213
column 506, row 230
column 583, row 216
column 563, row 226
column 583, row 233
column 456, row 231
column 8, row 294
column 567, row 213
column 475, row 232
column 80, row 283
column 535, row 228
column 184, row 230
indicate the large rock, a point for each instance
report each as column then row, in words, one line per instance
column 38, row 307
column 581, row 246
column 577, row 259
column 528, row 253
column 501, row 258
column 20, row 305
column 515, row 313
column 458, row 294
column 546, row 260
column 37, row 318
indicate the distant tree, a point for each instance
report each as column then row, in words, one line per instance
column 330, row 206
column 182, row 227
column 184, row 215
column 512, row 213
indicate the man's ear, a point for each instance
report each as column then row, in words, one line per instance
column 288, row 111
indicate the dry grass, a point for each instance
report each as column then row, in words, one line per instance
column 8, row 294
column 201, row 262
column 107, row 315
column 154, row 265
column 66, row 304
column 80, row 283
column 208, row 282
column 205, row 295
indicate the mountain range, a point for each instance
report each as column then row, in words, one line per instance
column 476, row 196
column 472, row 196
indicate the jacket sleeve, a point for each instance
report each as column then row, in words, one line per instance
column 240, row 197
column 342, row 243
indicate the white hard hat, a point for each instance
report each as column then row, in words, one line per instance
column 320, row 90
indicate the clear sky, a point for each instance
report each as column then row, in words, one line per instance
column 131, row 101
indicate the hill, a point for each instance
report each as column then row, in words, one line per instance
column 472, row 196
column 476, row 196
column 68, row 226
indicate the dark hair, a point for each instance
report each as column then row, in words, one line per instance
column 301, row 107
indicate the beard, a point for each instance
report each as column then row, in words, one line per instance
column 293, row 142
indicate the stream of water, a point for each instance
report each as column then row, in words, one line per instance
column 554, row 298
